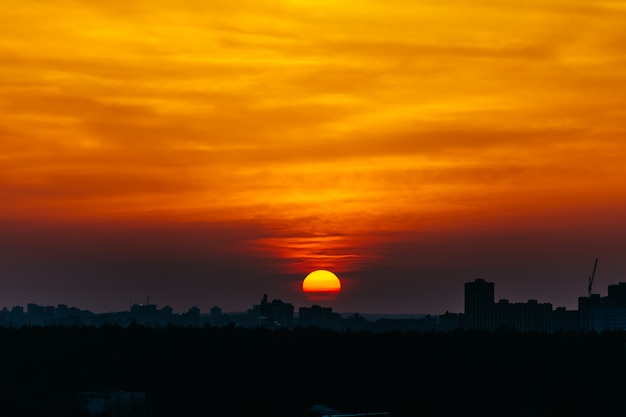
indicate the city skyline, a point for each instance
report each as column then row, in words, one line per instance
column 300, row 298
column 208, row 152
column 595, row 314
column 593, row 293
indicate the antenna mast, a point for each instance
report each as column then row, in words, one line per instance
column 593, row 274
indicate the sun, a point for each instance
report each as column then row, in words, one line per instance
column 321, row 285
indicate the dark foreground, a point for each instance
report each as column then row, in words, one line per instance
column 244, row 372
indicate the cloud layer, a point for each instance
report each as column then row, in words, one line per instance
column 337, row 134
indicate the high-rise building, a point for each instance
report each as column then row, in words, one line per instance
column 276, row 312
column 315, row 316
column 564, row 320
column 617, row 295
column 504, row 311
column 590, row 312
column 604, row 313
column 479, row 305
column 532, row 317
column 282, row 313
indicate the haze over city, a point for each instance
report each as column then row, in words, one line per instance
column 205, row 153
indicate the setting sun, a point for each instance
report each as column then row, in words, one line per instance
column 321, row 285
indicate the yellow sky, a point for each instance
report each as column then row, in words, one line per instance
column 314, row 117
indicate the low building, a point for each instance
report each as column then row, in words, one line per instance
column 113, row 403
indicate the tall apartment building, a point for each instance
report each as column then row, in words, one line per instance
column 479, row 305
column 315, row 316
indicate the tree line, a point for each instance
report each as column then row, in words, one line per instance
column 231, row 371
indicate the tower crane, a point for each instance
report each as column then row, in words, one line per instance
column 593, row 274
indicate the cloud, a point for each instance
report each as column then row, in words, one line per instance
column 313, row 131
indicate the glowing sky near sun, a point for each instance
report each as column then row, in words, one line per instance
column 332, row 129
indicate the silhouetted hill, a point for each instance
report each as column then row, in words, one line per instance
column 230, row 371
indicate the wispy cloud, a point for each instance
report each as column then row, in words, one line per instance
column 343, row 121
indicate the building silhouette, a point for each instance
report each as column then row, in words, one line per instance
column 608, row 313
column 617, row 295
column 481, row 312
column 564, row 320
column 594, row 314
column 315, row 316
column 589, row 311
column 449, row 322
column 113, row 403
column 274, row 314
column 532, row 317
column 479, row 305
column 504, row 314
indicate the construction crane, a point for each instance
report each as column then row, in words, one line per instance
column 593, row 274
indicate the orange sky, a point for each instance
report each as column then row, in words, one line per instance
column 335, row 132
